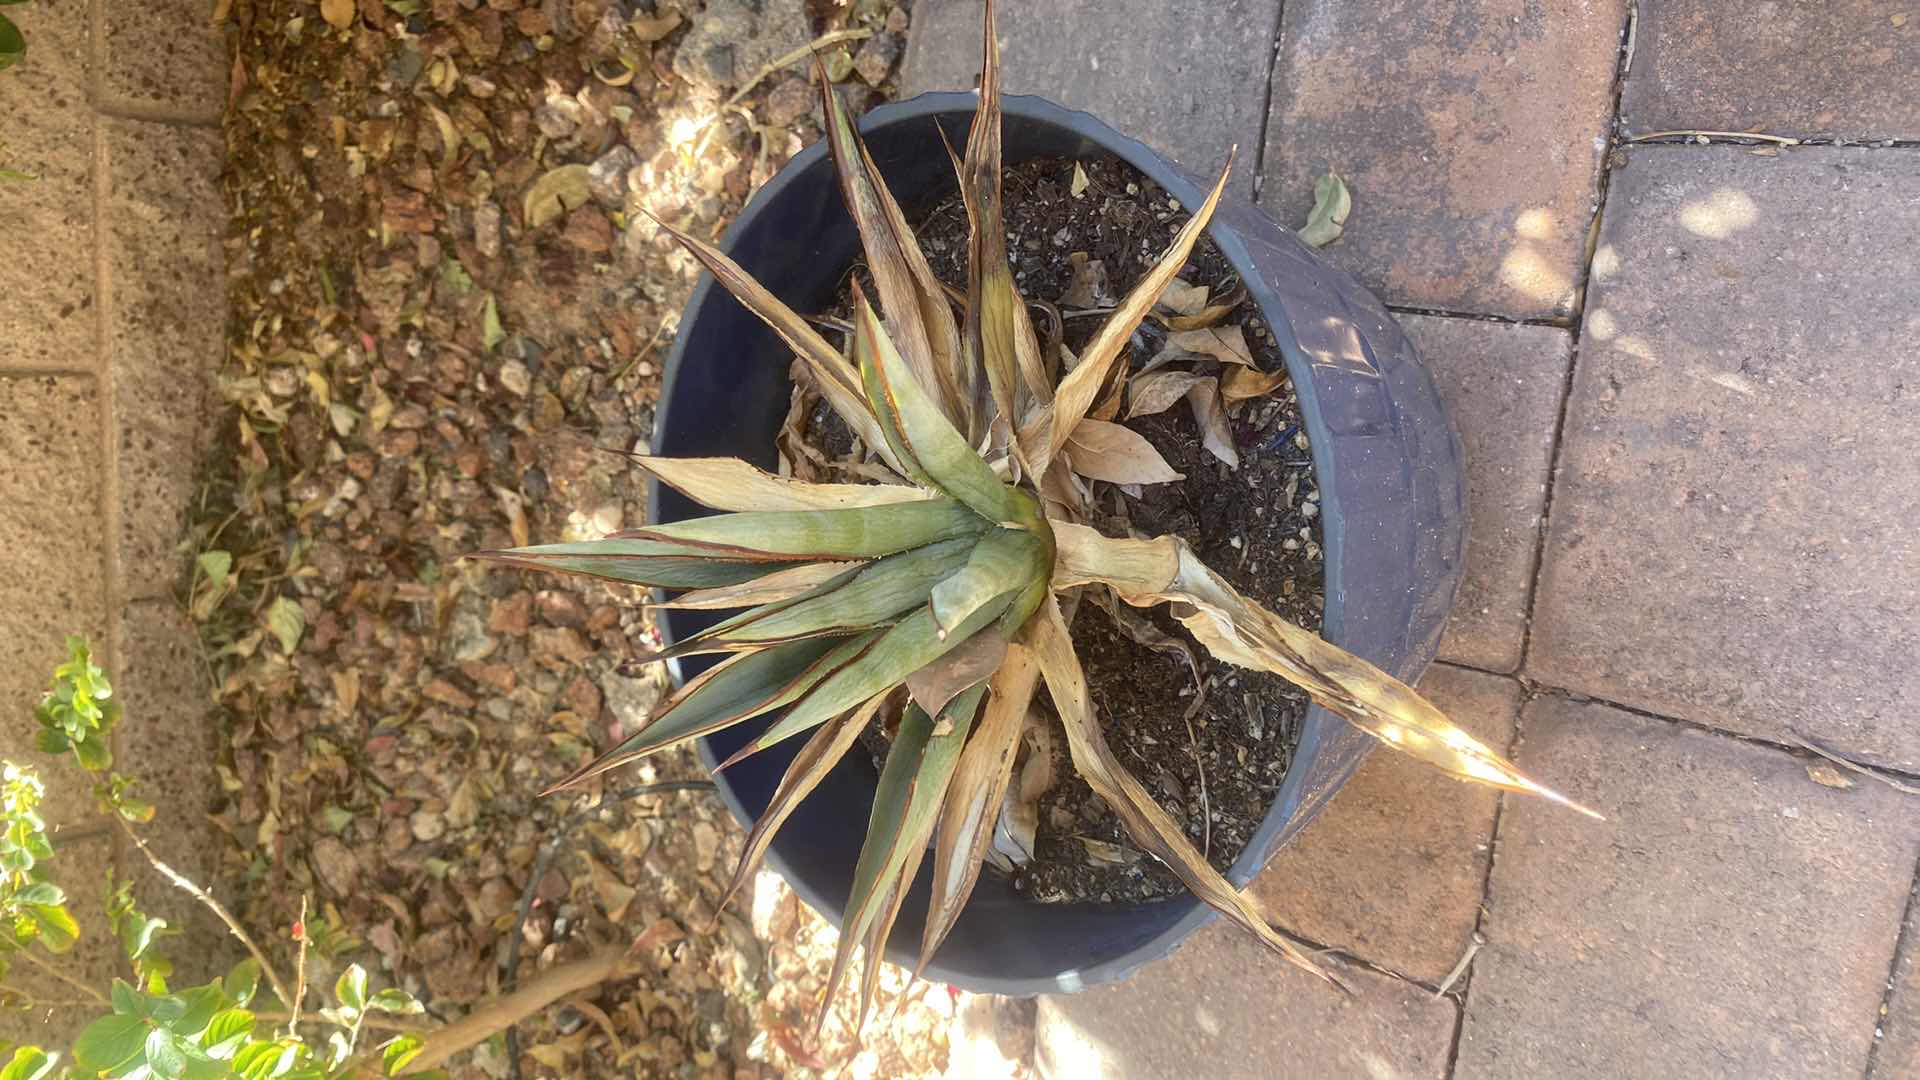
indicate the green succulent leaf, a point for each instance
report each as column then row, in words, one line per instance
column 1003, row 558
column 737, row 689
column 920, row 432
column 906, row 647
column 726, row 549
column 608, row 560
column 858, row 599
column 913, row 784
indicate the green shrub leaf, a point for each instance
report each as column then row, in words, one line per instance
column 110, row 1042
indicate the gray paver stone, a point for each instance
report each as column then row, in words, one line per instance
column 1730, row 917
column 1841, row 67
column 1731, row 538
column 1502, row 384
column 60, row 1010
column 1898, row 1054
column 1225, row 1008
column 1470, row 133
column 49, row 316
column 163, row 56
column 1186, row 79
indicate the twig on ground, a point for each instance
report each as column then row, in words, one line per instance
column 299, row 971
column 183, row 882
column 539, row 870
column 1782, row 140
column 794, row 57
column 541, row 991
column 373, row 1021
column 1847, row 763
column 1459, row 969
column 44, row 965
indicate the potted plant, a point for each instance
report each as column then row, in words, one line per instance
column 934, row 598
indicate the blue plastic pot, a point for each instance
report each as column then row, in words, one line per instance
column 1392, row 496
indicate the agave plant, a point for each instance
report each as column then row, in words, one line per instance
column 939, row 591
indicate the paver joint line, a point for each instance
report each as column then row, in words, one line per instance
column 1628, row 35
column 1902, row 945
column 1266, row 100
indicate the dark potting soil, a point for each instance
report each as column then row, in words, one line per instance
column 1218, row 769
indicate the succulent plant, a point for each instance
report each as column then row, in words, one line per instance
column 941, row 592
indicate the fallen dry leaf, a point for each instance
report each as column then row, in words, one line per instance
column 1827, row 776
column 1227, row 344
column 1242, row 383
column 1156, row 391
column 1088, row 286
column 1106, row 451
column 1211, row 418
column 338, row 13
column 1328, row 218
column 1183, row 298
column 556, row 192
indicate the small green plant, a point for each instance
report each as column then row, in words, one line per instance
column 149, row 1028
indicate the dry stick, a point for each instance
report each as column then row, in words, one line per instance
column 219, row 909
column 43, row 965
column 1459, row 969
column 794, row 57
column 1760, row 136
column 539, row 992
column 373, row 1021
column 299, row 971
column 539, row 871
column 1854, row 765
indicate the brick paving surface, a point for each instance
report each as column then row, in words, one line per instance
column 1503, row 384
column 1839, row 67
column 1113, row 61
column 1690, row 488
column 111, row 320
column 1393, row 869
column 1731, row 539
column 1224, row 1008
column 1731, row 917
column 1471, row 135
column 1899, row 1052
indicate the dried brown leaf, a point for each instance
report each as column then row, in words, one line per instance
column 1146, row 822
column 961, row 667
column 1047, row 432
column 1182, row 298
column 1156, row 391
column 1240, row 631
column 1227, row 344
column 975, row 796
column 1210, row 416
column 1087, row 288
column 1118, row 455
column 1242, row 383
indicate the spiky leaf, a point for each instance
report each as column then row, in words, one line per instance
column 913, row 784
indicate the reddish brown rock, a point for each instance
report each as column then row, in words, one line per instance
column 511, row 614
